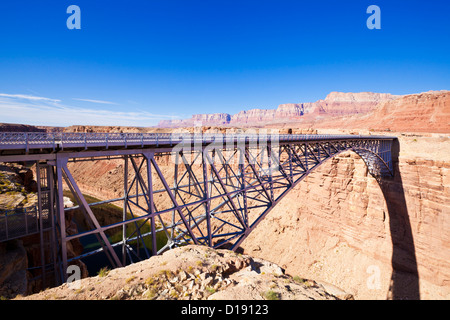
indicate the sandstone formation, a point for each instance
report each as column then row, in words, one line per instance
column 17, row 187
column 427, row 112
column 336, row 103
column 422, row 112
column 214, row 119
column 375, row 242
column 253, row 116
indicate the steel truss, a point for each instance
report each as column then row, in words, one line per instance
column 214, row 194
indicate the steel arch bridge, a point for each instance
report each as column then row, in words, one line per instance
column 209, row 189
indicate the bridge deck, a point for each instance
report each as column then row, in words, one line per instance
column 12, row 143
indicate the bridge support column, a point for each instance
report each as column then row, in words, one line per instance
column 61, row 216
column 63, row 174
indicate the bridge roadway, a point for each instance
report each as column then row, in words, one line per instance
column 214, row 201
column 33, row 144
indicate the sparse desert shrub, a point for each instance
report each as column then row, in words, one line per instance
column 103, row 272
column 271, row 295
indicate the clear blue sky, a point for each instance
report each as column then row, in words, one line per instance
column 137, row 62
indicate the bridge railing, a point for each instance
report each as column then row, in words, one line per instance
column 17, row 223
column 38, row 140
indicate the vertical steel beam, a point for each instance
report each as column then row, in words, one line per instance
column 175, row 186
column 149, row 156
column 41, row 222
column 53, row 216
column 207, row 203
column 242, row 183
column 269, row 159
column 61, row 214
column 125, row 204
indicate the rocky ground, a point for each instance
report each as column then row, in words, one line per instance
column 194, row 273
column 17, row 187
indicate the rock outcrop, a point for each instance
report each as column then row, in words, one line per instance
column 424, row 112
column 253, row 116
column 193, row 273
column 13, row 268
column 211, row 119
column 339, row 103
column 17, row 187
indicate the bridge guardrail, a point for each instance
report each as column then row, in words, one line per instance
column 43, row 140
column 17, row 223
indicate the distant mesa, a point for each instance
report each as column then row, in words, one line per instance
column 420, row 112
column 336, row 103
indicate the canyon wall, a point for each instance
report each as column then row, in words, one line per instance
column 336, row 103
column 375, row 242
column 424, row 112
column 419, row 112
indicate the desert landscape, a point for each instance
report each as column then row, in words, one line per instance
column 237, row 151
column 331, row 237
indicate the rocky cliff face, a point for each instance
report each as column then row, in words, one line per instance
column 423, row 112
column 212, row 119
column 339, row 103
column 13, row 265
column 417, row 112
column 336, row 103
column 253, row 116
column 375, row 242
column 17, row 187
